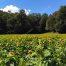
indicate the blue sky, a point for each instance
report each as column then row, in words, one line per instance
column 35, row 6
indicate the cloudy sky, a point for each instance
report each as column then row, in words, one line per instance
column 32, row 6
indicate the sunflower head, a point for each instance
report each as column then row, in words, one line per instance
column 29, row 52
column 11, row 54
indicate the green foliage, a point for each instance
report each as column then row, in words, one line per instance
column 21, row 23
column 50, row 24
column 57, row 21
column 43, row 22
column 19, row 51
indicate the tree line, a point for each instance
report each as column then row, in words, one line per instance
column 20, row 23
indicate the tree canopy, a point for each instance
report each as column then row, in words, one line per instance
column 20, row 23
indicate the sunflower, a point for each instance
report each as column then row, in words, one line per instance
column 29, row 52
column 11, row 54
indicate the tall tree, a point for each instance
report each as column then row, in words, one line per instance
column 50, row 24
column 43, row 20
column 34, row 20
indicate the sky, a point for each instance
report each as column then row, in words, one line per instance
column 32, row 6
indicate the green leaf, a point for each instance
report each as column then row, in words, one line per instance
column 47, row 53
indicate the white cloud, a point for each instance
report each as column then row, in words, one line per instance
column 11, row 8
column 14, row 9
column 27, row 11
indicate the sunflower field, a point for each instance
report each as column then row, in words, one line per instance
column 33, row 50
